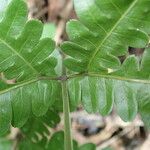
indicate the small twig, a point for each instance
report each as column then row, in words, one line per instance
column 41, row 13
column 115, row 138
column 15, row 136
column 3, row 78
column 62, row 23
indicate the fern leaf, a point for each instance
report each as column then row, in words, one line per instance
column 22, row 53
column 104, row 32
column 39, row 126
column 56, row 142
column 26, row 58
column 18, row 102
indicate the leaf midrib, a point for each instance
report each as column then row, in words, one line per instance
column 125, row 79
column 18, row 86
column 22, row 58
column 110, row 32
column 69, row 77
column 30, row 81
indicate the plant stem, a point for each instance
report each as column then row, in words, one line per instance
column 67, row 121
column 68, row 144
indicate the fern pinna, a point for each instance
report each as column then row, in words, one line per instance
column 93, row 73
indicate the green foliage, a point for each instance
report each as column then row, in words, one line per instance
column 37, row 129
column 5, row 144
column 25, row 57
column 55, row 143
column 94, row 74
column 104, row 32
column 19, row 101
column 49, row 30
column 4, row 4
column 57, row 139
